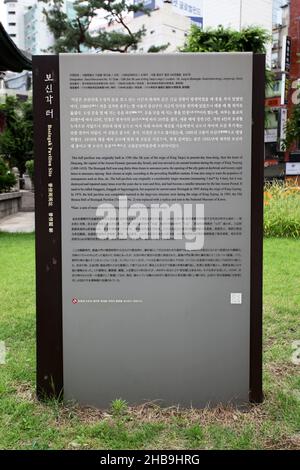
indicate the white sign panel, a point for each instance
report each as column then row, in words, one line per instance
column 292, row 169
column 270, row 135
column 149, row 170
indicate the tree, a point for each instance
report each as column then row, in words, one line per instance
column 250, row 39
column 73, row 34
column 292, row 128
column 7, row 178
column 156, row 49
column 16, row 141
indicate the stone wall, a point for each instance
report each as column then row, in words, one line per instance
column 27, row 201
column 10, row 203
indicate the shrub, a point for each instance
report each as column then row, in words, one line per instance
column 7, row 178
column 30, row 168
column 220, row 39
column 16, row 140
column 281, row 210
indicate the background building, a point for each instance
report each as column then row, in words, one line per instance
column 26, row 24
column 276, row 100
column 14, row 60
column 284, row 93
column 276, row 13
column 165, row 25
column 238, row 14
column 170, row 20
column 294, row 70
column 37, row 36
column 14, row 20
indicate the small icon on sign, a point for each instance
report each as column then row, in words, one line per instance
column 235, row 298
column 74, row 301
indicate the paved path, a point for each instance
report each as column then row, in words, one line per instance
column 19, row 222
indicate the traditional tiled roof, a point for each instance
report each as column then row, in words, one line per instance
column 12, row 58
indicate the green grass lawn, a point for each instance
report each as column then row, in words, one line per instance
column 26, row 423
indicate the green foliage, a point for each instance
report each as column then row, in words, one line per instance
column 293, row 124
column 282, row 211
column 116, row 41
column 156, row 49
column 30, row 168
column 7, row 178
column 194, row 435
column 250, row 39
column 16, row 141
column 73, row 35
column 269, row 78
column 292, row 128
column 119, row 407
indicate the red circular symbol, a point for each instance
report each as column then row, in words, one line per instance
column 74, row 301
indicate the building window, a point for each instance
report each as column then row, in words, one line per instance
column 11, row 24
column 13, row 35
